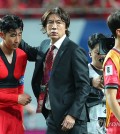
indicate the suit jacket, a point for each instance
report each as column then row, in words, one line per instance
column 69, row 82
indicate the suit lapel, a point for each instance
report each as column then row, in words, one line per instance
column 60, row 52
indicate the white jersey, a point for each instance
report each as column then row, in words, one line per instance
column 97, row 111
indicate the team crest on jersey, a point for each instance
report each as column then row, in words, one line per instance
column 108, row 70
column 21, row 80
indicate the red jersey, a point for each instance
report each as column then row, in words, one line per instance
column 11, row 85
column 112, row 80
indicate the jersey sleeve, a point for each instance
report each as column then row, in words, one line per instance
column 110, row 75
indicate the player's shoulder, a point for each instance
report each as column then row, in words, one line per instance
column 20, row 52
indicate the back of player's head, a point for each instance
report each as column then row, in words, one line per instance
column 113, row 22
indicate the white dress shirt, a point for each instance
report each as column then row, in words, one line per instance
column 57, row 46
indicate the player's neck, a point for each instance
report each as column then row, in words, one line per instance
column 5, row 49
column 117, row 44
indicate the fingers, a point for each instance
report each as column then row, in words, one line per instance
column 101, row 83
column 98, row 82
column 28, row 100
column 68, row 123
column 24, row 99
column 101, row 80
column 66, row 126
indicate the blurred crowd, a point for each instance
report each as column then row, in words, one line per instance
column 77, row 8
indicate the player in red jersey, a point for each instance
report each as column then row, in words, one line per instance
column 112, row 83
column 112, row 76
column 12, row 67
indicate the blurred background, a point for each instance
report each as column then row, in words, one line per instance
column 87, row 17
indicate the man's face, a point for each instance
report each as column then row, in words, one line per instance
column 12, row 38
column 55, row 27
column 96, row 57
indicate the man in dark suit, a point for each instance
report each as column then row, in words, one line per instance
column 68, row 87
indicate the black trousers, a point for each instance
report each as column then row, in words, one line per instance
column 80, row 127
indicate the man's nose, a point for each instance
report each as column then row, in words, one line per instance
column 54, row 26
column 103, row 56
column 17, row 39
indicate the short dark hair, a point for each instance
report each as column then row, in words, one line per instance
column 94, row 40
column 61, row 13
column 9, row 22
column 113, row 22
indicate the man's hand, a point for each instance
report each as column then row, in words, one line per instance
column 24, row 99
column 68, row 123
column 97, row 82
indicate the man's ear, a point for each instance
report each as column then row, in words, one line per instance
column 2, row 35
column 118, row 32
column 90, row 54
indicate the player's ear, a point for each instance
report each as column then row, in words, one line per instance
column 2, row 35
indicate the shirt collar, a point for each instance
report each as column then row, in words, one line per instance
column 58, row 43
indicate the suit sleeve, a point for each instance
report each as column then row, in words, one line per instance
column 29, row 50
column 34, row 53
column 82, row 82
